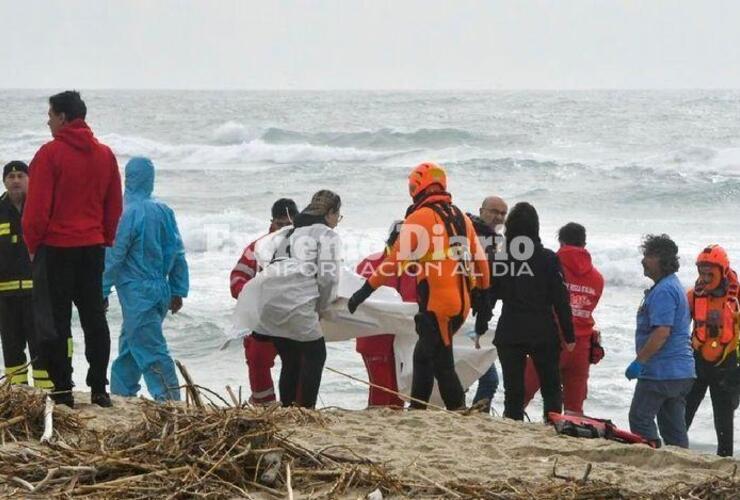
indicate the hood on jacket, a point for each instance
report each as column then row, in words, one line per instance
column 576, row 259
column 729, row 278
column 139, row 179
column 427, row 198
column 523, row 221
column 77, row 134
column 481, row 228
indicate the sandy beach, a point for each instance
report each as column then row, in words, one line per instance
column 427, row 454
column 445, row 447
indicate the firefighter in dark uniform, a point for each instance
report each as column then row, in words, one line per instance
column 16, row 285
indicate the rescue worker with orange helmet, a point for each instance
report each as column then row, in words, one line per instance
column 438, row 245
column 716, row 314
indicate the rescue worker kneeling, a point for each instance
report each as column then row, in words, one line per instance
column 716, row 314
column 438, row 244
column 148, row 268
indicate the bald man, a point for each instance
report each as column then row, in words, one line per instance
column 492, row 215
column 493, row 212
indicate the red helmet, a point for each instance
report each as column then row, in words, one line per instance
column 424, row 175
column 716, row 255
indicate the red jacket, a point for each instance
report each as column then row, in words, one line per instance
column 585, row 285
column 74, row 192
column 404, row 284
column 244, row 270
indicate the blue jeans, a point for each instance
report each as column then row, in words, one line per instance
column 666, row 400
column 487, row 385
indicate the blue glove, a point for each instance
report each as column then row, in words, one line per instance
column 634, row 370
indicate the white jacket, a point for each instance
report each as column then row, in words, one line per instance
column 297, row 283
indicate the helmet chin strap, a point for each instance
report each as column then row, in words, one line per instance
column 717, row 288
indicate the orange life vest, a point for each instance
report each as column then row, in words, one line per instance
column 447, row 270
column 716, row 322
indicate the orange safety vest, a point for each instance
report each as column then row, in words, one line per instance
column 716, row 324
column 448, row 270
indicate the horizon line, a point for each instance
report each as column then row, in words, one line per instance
column 399, row 90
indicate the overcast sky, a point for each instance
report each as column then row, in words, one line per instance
column 371, row 44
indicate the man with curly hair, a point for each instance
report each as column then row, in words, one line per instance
column 664, row 366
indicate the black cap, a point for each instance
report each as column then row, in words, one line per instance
column 15, row 166
column 283, row 207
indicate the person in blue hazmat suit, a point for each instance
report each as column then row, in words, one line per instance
column 148, row 269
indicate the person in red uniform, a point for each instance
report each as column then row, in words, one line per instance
column 585, row 285
column 71, row 214
column 259, row 351
column 377, row 351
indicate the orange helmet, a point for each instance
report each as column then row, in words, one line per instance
column 714, row 254
column 424, row 175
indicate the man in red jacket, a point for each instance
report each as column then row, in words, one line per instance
column 585, row 285
column 71, row 214
column 258, row 349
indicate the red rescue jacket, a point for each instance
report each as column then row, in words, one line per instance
column 245, row 269
column 404, row 284
column 585, row 285
column 74, row 193
column 406, row 287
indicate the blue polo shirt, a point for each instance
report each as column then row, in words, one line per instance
column 665, row 304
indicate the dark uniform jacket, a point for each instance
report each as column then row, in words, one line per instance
column 15, row 264
column 536, row 303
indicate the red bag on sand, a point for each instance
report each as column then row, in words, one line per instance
column 587, row 427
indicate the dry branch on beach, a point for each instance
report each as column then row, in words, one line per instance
column 22, row 415
column 181, row 451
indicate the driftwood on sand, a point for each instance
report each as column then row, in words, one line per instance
column 234, row 450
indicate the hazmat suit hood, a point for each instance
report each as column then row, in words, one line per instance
column 139, row 179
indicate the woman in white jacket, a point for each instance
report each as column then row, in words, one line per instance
column 302, row 282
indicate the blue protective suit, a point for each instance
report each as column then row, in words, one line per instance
column 147, row 266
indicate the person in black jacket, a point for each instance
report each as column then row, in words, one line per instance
column 536, row 306
column 16, row 286
column 492, row 215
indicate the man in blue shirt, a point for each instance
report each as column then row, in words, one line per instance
column 664, row 367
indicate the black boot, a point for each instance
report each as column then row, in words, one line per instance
column 64, row 398
column 101, row 399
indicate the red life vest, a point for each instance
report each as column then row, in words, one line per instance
column 588, row 427
column 716, row 321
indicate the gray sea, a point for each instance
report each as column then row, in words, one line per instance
column 623, row 163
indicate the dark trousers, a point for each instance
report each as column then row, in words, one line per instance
column 487, row 385
column 546, row 359
column 724, row 403
column 302, row 367
column 62, row 277
column 17, row 330
column 434, row 360
column 666, row 400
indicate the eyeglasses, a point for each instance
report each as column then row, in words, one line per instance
column 502, row 213
column 339, row 219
